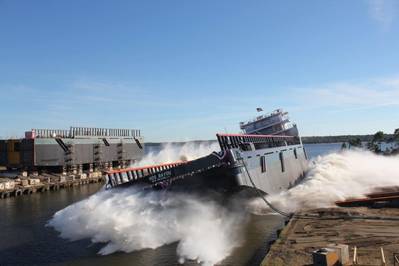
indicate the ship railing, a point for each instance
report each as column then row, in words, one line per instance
column 231, row 141
column 103, row 132
column 76, row 132
column 51, row 133
column 120, row 176
column 264, row 126
column 266, row 121
column 269, row 117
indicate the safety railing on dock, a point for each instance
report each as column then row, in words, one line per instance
column 76, row 132
column 103, row 132
column 50, row 133
column 120, row 176
column 230, row 141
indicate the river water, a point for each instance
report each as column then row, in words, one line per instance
column 25, row 239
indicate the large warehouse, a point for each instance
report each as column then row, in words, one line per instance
column 76, row 148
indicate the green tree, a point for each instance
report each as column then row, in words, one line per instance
column 373, row 147
column 343, row 146
column 396, row 134
column 355, row 142
column 379, row 136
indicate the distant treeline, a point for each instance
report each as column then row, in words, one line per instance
column 198, row 142
column 307, row 140
column 182, row 142
column 341, row 138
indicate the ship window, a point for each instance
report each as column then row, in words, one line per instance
column 263, row 164
column 282, row 162
column 296, row 154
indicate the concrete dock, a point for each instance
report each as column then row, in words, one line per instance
column 367, row 229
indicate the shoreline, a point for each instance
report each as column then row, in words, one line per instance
column 26, row 185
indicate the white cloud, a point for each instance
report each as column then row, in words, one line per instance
column 108, row 104
column 354, row 95
column 383, row 12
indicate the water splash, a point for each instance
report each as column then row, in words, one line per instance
column 339, row 176
column 128, row 220
column 175, row 152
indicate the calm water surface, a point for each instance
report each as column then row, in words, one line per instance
column 25, row 239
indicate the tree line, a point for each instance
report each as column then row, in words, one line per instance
column 336, row 139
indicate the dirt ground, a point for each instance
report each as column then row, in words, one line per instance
column 367, row 229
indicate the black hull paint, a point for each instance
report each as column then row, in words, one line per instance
column 225, row 172
column 220, row 179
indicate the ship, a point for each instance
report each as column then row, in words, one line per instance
column 267, row 155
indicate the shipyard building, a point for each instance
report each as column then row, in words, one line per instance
column 77, row 148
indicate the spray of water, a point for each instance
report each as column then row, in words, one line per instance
column 128, row 220
column 339, row 176
column 173, row 152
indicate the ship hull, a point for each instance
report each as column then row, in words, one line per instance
column 231, row 171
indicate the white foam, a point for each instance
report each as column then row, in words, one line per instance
column 339, row 176
column 173, row 152
column 128, row 220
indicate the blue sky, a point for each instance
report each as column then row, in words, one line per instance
column 182, row 70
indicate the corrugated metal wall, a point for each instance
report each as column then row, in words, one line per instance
column 41, row 152
column 47, row 152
